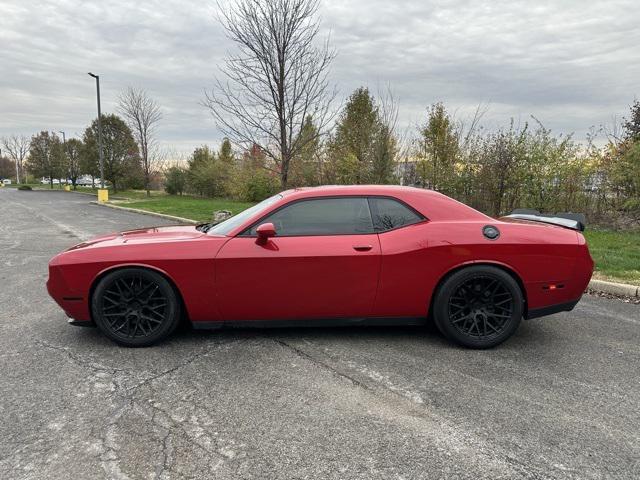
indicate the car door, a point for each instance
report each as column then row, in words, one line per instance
column 405, row 270
column 323, row 262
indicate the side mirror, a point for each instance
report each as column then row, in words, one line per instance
column 265, row 232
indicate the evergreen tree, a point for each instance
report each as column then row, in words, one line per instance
column 226, row 166
column 363, row 148
column 201, row 165
column 438, row 151
column 384, row 156
column 225, row 155
column 632, row 124
column 208, row 174
column 355, row 136
column 175, row 181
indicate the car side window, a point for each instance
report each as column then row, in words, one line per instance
column 322, row 216
column 389, row 214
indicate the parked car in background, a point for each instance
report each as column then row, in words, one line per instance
column 45, row 181
column 6, row 181
column 85, row 181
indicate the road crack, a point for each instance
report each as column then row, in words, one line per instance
column 322, row 365
column 81, row 361
column 124, row 401
column 169, row 371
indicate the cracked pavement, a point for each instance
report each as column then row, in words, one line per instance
column 559, row 400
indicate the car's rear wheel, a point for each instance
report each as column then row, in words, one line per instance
column 478, row 307
column 135, row 307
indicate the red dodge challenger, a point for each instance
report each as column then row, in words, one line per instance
column 350, row 255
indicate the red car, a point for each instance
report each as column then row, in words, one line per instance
column 326, row 256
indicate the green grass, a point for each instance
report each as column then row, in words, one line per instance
column 200, row 209
column 616, row 254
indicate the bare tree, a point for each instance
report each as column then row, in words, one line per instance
column 277, row 78
column 17, row 147
column 73, row 148
column 142, row 114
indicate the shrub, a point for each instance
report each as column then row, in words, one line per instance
column 209, row 179
column 260, row 186
column 208, row 174
column 252, row 184
column 175, row 181
column 24, row 187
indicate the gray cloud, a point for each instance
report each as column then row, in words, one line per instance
column 572, row 64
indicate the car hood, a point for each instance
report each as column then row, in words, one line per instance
column 143, row 235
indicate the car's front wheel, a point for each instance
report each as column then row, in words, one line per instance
column 478, row 307
column 135, row 307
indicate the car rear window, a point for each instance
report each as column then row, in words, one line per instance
column 388, row 214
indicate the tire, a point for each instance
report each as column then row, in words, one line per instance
column 135, row 307
column 478, row 307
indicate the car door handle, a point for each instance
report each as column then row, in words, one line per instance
column 362, row 248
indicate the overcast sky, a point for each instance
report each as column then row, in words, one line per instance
column 572, row 64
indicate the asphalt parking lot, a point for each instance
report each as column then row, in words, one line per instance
column 559, row 400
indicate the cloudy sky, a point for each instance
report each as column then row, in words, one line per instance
column 572, row 64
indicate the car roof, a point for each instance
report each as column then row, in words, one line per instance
column 431, row 204
column 328, row 190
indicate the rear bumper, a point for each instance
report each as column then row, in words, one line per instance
column 551, row 309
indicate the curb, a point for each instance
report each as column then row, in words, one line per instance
column 95, row 194
column 613, row 288
column 38, row 189
column 146, row 212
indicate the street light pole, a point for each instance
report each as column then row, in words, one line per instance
column 97, row 77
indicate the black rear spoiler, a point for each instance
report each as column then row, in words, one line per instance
column 574, row 221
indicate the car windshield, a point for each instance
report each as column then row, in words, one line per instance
column 223, row 228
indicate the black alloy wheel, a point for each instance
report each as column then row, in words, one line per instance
column 479, row 306
column 135, row 307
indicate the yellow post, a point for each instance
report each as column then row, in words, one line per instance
column 103, row 195
column 67, row 188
